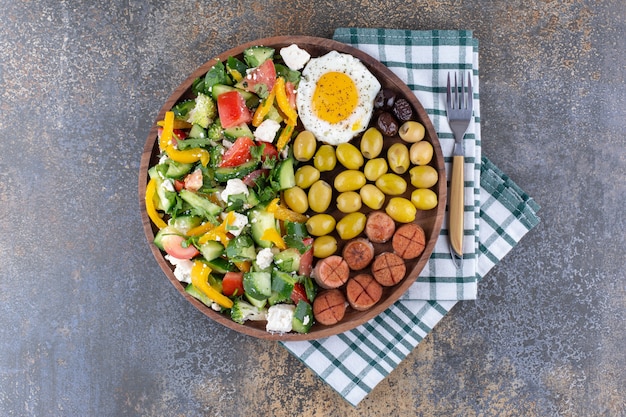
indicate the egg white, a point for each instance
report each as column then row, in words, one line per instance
column 367, row 87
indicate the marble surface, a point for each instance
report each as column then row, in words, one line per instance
column 91, row 326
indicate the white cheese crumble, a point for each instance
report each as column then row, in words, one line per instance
column 168, row 185
column 280, row 318
column 267, row 130
column 233, row 187
column 236, row 227
column 295, row 57
column 264, row 258
column 182, row 270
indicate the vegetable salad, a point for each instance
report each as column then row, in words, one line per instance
column 216, row 194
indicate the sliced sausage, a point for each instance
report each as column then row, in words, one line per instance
column 409, row 241
column 388, row 269
column 379, row 227
column 358, row 253
column 329, row 307
column 331, row 272
column 363, row 291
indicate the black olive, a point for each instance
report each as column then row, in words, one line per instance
column 402, row 110
column 384, row 99
column 387, row 124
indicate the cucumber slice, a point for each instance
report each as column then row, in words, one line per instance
column 302, row 317
column 256, row 55
column 211, row 250
column 258, row 285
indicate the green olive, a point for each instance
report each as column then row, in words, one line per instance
column 351, row 225
column 421, row 153
column 374, row 168
column 320, row 195
column 401, row 210
column 304, row 146
column 391, row 184
column 398, row 158
column 372, row 197
column 424, row 199
column 324, row 246
column 296, row 199
column 325, row 158
column 349, row 180
column 306, row 175
column 320, row 224
column 423, row 176
column 349, row 202
column 412, row 131
column 349, row 156
column 371, row 143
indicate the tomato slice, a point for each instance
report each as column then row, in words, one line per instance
column 298, row 293
column 269, row 151
column 290, row 89
column 232, row 284
column 239, row 153
column 232, row 110
column 260, row 80
column 173, row 245
column 306, row 259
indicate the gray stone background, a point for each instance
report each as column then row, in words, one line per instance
column 91, row 326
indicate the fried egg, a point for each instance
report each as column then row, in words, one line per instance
column 336, row 97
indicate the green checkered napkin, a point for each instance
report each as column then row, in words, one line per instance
column 497, row 215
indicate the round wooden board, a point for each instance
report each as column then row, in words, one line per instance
column 430, row 220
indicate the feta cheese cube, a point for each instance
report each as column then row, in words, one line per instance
column 267, row 130
column 295, row 57
column 182, row 270
column 264, row 258
column 233, row 187
column 279, row 318
column 241, row 220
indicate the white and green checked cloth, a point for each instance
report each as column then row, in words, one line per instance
column 497, row 215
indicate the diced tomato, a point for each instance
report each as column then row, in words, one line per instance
column 173, row 245
column 179, row 185
column 238, row 153
column 251, row 179
column 269, row 151
column 306, row 259
column 290, row 89
column 232, row 110
column 232, row 284
column 260, row 80
column 180, row 134
column 193, row 181
column 298, row 293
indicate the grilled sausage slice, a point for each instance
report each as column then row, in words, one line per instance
column 358, row 253
column 363, row 291
column 388, row 269
column 331, row 272
column 329, row 307
column 409, row 241
column 379, row 227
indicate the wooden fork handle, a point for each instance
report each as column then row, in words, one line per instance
column 456, row 205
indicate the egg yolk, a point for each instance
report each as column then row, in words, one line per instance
column 335, row 97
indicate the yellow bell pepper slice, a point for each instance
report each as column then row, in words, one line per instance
column 178, row 124
column 285, row 136
column 188, row 156
column 243, row 266
column 150, row 209
column 283, row 213
column 219, row 233
column 272, row 235
column 264, row 108
column 283, row 102
column 200, row 279
column 168, row 130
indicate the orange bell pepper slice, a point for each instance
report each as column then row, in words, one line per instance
column 150, row 208
column 283, row 102
column 200, row 279
column 285, row 136
column 219, row 233
column 264, row 108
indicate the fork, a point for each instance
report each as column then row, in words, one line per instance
column 459, row 112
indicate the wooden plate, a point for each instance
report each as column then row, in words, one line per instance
column 430, row 220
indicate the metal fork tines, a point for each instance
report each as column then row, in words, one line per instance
column 459, row 112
